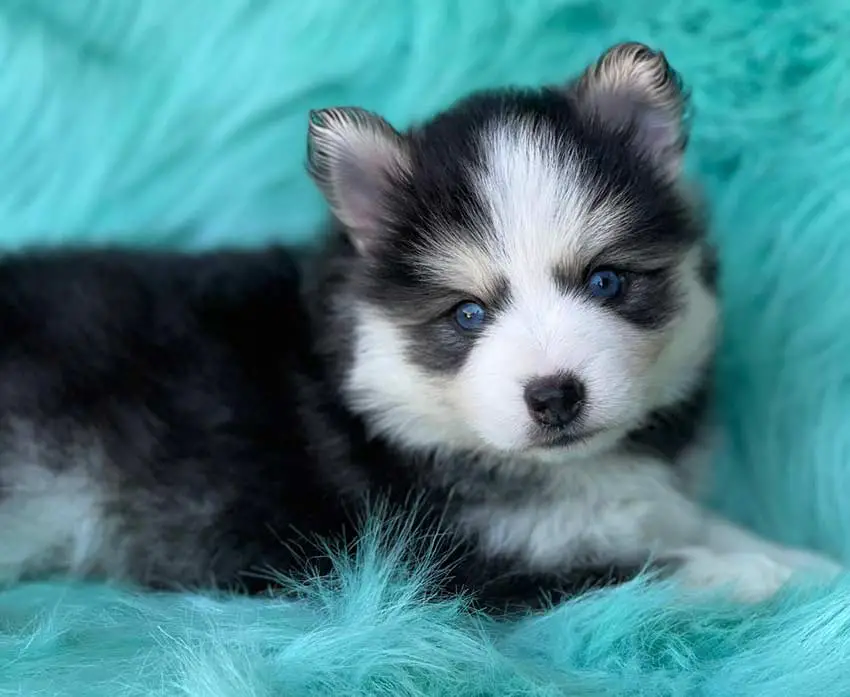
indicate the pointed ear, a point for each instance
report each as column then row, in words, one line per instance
column 633, row 89
column 356, row 157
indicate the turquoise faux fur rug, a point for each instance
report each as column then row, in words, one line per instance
column 182, row 123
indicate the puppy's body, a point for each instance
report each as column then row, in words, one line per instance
column 512, row 325
column 165, row 420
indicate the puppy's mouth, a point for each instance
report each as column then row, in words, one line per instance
column 560, row 438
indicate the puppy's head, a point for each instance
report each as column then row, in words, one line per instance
column 526, row 271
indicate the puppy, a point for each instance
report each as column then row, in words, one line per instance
column 508, row 335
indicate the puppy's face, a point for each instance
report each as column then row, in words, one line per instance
column 527, row 273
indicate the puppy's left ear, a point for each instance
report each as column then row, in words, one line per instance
column 633, row 90
column 356, row 159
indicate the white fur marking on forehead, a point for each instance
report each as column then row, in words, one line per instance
column 539, row 213
column 539, row 203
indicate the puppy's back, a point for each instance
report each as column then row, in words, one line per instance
column 149, row 413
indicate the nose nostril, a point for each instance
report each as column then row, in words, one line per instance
column 554, row 401
column 572, row 394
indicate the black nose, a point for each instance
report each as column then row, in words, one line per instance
column 554, row 401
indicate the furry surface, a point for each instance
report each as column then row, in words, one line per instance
column 139, row 122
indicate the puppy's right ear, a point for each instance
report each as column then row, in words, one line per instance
column 356, row 158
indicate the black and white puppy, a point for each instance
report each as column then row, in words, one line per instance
column 512, row 325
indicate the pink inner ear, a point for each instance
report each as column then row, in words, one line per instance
column 657, row 131
column 357, row 158
column 360, row 190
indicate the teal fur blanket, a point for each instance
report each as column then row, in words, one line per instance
column 181, row 123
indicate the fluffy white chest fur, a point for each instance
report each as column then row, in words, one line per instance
column 611, row 507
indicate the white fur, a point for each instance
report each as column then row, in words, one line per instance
column 728, row 557
column 403, row 401
column 50, row 522
column 725, row 537
column 53, row 508
column 599, row 508
column 749, row 577
column 57, row 515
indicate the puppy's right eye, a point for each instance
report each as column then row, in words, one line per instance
column 605, row 284
column 469, row 316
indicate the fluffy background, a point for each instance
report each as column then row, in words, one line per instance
column 182, row 124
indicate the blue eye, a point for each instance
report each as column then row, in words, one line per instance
column 605, row 283
column 470, row 316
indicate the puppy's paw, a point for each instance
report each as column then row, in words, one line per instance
column 749, row 577
column 810, row 563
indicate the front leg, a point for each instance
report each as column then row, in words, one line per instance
column 724, row 536
column 751, row 567
column 610, row 526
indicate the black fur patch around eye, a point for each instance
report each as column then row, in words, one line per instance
column 569, row 280
column 498, row 296
column 439, row 346
column 649, row 300
column 425, row 312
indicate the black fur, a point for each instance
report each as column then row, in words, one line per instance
column 668, row 433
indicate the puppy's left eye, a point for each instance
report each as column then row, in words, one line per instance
column 605, row 284
column 470, row 316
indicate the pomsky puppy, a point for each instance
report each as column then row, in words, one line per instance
column 508, row 335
